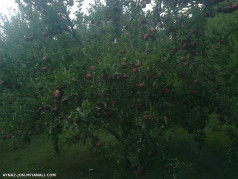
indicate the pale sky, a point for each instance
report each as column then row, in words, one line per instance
column 6, row 5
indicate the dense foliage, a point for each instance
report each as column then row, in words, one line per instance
column 131, row 72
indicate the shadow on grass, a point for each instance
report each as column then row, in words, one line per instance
column 77, row 160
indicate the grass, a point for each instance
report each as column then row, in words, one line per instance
column 206, row 163
column 38, row 157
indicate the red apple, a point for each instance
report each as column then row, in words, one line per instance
column 146, row 36
column 70, row 69
column 25, row 38
column 192, row 45
column 139, row 64
column 122, row 51
column 175, row 49
column 44, row 69
column 166, row 91
column 38, row 111
column 153, row 29
column 98, row 144
column 88, row 76
column 166, row 18
column 92, row 21
column 234, row 6
column 46, row 107
column 124, row 65
column 112, row 102
column 146, row 117
column 124, row 76
column 194, row 91
column 148, row 77
column 44, row 34
column 182, row 59
column 108, row 114
column 119, row 78
column 45, row 59
column 135, row 70
column 93, row 67
column 99, row 95
column 140, row 85
column 186, row 64
column 222, row 42
column 30, row 38
column 57, row 94
column 53, row 109
column 8, row 136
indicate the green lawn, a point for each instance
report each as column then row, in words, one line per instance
column 206, row 163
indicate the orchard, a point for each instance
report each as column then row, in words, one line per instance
column 136, row 74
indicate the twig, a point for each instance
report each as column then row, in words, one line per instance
column 71, row 26
column 175, row 12
column 131, row 41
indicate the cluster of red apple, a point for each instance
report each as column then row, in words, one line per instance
column 57, row 96
column 95, row 141
column 8, row 136
column 124, row 76
column 209, row 14
column 228, row 9
column 151, row 34
column 45, row 69
column 29, row 38
column 186, row 46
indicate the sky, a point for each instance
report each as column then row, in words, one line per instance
column 6, row 5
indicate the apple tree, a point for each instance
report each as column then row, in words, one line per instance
column 131, row 72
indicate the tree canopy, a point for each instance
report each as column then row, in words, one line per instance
column 131, row 72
